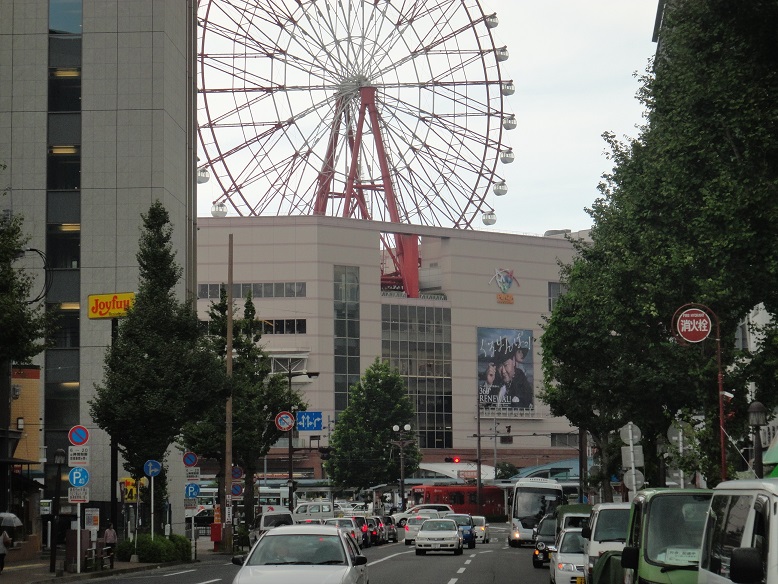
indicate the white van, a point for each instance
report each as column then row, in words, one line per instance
column 606, row 531
column 316, row 511
column 268, row 521
column 740, row 543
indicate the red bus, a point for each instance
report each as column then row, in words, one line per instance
column 462, row 498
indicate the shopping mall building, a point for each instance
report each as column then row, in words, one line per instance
column 316, row 283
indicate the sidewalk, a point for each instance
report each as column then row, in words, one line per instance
column 38, row 570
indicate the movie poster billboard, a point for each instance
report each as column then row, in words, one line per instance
column 505, row 368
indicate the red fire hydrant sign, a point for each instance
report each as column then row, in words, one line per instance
column 693, row 325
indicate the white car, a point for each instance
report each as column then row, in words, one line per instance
column 303, row 554
column 401, row 518
column 439, row 535
column 481, row 529
column 412, row 527
column 568, row 559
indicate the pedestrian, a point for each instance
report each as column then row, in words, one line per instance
column 5, row 541
column 109, row 536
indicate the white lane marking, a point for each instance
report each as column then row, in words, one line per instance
column 453, row 581
column 461, row 570
column 177, row 573
column 388, row 557
column 468, row 561
column 210, row 581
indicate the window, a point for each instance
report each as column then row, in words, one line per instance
column 63, row 246
column 64, row 168
column 555, row 290
column 65, row 16
column 65, row 89
column 726, row 520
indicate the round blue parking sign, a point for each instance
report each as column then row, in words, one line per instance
column 78, row 477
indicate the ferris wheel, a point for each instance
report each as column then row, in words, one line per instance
column 381, row 110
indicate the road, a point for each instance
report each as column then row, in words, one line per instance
column 393, row 563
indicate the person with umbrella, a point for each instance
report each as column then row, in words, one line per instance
column 5, row 541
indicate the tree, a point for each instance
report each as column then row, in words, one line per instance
column 158, row 372
column 687, row 215
column 23, row 326
column 363, row 455
column 506, row 470
column 257, row 396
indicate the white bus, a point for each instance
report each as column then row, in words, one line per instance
column 532, row 498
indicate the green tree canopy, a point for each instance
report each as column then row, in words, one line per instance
column 257, row 396
column 158, row 372
column 364, row 455
column 23, row 326
column 687, row 215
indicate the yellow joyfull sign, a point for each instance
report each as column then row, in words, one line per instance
column 113, row 305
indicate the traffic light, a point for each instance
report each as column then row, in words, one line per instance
column 326, row 452
column 454, row 459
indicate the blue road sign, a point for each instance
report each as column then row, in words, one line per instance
column 78, row 477
column 152, row 468
column 190, row 459
column 191, row 490
column 311, row 421
column 237, row 490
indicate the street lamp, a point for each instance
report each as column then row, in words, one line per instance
column 290, row 374
column 401, row 443
column 757, row 417
column 59, row 460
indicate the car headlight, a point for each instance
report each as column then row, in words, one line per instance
column 563, row 567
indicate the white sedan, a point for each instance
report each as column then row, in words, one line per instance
column 439, row 535
column 481, row 529
column 568, row 560
column 303, row 554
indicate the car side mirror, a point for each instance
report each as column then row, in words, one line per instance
column 360, row 561
column 746, row 566
column 586, row 533
column 629, row 558
column 238, row 560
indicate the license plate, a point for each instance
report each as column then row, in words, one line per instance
column 579, row 580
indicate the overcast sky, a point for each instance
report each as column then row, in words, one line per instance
column 572, row 62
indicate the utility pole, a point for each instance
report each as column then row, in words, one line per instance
column 227, row 517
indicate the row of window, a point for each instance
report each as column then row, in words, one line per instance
column 256, row 289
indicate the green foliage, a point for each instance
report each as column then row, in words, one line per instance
column 243, row 536
column 158, row 372
column 687, row 216
column 257, row 396
column 506, row 470
column 183, row 547
column 161, row 549
column 364, row 455
column 23, row 326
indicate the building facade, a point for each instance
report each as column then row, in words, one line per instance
column 96, row 123
column 316, row 285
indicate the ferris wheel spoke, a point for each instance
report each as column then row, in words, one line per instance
column 282, row 90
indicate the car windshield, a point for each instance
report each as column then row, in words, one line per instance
column 479, row 520
column 275, row 521
column 572, row 543
column 612, row 525
column 547, row 527
column 461, row 519
column 438, row 525
column 675, row 525
column 297, row 549
column 417, row 520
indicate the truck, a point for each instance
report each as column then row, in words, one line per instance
column 664, row 536
column 740, row 542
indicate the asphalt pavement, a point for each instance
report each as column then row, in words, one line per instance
column 32, row 571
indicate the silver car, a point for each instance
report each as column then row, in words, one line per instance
column 482, row 534
column 303, row 554
column 412, row 526
column 439, row 535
